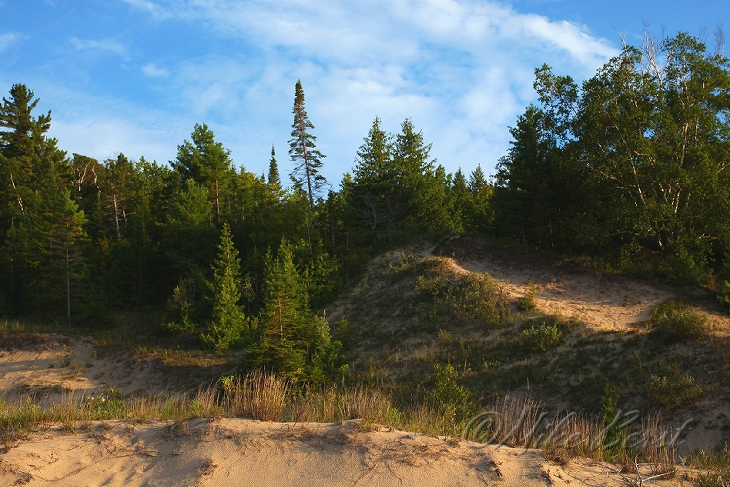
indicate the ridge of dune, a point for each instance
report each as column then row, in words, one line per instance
column 251, row 453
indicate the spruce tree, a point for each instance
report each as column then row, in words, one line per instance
column 34, row 177
column 374, row 197
column 294, row 341
column 303, row 152
column 208, row 163
column 228, row 325
column 274, row 178
column 421, row 183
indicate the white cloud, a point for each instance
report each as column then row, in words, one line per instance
column 461, row 69
column 7, row 39
column 151, row 69
column 104, row 45
column 149, row 6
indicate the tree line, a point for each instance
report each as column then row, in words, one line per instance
column 628, row 166
column 631, row 165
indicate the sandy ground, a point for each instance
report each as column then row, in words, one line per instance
column 250, row 453
column 601, row 301
column 52, row 367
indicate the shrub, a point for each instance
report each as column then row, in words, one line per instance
column 539, row 338
column 716, row 468
column 448, row 397
column 472, row 299
column 674, row 390
column 675, row 320
column 724, row 296
column 527, row 302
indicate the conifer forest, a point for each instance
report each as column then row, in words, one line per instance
column 629, row 170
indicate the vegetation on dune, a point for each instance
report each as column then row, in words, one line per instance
column 628, row 168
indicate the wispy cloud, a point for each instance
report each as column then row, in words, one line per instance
column 151, row 69
column 7, row 39
column 461, row 69
column 156, row 10
column 103, row 45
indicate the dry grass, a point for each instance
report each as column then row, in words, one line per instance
column 522, row 423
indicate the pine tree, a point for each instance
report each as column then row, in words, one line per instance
column 274, row 178
column 374, row 195
column 228, row 325
column 421, row 184
column 294, row 342
column 208, row 163
column 67, row 238
column 34, row 177
column 307, row 159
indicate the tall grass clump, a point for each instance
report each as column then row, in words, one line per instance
column 715, row 468
column 258, row 394
column 523, row 423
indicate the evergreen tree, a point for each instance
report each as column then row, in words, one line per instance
column 421, row 184
column 206, row 162
column 274, row 178
column 373, row 197
column 228, row 325
column 66, row 238
column 480, row 217
column 294, row 342
column 35, row 175
column 307, row 159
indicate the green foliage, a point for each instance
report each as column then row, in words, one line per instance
column 674, row 390
column 396, row 190
column 715, row 468
column 472, row 299
column 527, row 302
column 228, row 325
column 186, row 308
column 724, row 296
column 540, row 338
column 208, row 163
column 447, row 396
column 306, row 175
column 677, row 321
column 647, row 183
column 294, row 341
column 110, row 404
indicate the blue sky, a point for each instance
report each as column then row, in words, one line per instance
column 134, row 76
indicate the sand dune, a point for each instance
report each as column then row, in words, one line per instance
column 222, row 452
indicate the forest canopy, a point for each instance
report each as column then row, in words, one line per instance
column 629, row 167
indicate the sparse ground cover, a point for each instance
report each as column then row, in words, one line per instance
column 430, row 344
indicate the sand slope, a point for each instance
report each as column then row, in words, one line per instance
column 250, row 453
column 53, row 367
column 601, row 301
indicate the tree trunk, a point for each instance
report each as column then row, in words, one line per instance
column 68, row 278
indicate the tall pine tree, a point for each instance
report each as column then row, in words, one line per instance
column 303, row 152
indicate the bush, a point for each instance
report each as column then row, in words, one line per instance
column 716, row 468
column 675, row 320
column 724, row 296
column 673, row 391
column 527, row 302
column 109, row 404
column 539, row 338
column 448, row 397
column 472, row 299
